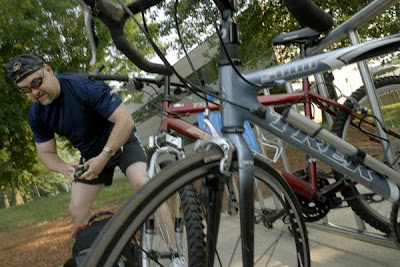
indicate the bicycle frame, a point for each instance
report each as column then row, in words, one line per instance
column 243, row 104
column 236, row 90
column 299, row 186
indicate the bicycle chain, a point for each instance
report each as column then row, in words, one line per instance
column 312, row 210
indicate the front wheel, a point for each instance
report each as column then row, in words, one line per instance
column 281, row 239
column 371, row 207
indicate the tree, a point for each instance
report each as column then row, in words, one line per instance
column 260, row 21
column 6, row 203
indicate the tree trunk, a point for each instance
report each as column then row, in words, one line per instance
column 36, row 192
column 18, row 200
column 5, row 199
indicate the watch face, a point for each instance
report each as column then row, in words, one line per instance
column 109, row 151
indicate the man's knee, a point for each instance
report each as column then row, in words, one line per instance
column 136, row 174
column 77, row 211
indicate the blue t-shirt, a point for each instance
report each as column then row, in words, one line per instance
column 80, row 113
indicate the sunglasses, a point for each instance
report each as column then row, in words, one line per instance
column 36, row 83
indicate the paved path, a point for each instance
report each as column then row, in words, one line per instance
column 327, row 249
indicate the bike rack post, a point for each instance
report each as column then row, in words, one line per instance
column 323, row 91
column 368, row 237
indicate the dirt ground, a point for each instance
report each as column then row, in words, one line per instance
column 45, row 244
column 49, row 243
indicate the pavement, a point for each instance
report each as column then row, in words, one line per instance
column 327, row 249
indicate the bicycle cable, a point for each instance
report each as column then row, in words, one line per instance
column 207, row 3
column 152, row 100
column 154, row 89
column 371, row 135
column 187, row 83
column 160, row 54
column 195, row 72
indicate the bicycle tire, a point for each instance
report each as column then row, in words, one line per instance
column 395, row 226
column 384, row 86
column 130, row 217
column 193, row 235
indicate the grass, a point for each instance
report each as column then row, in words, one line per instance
column 52, row 208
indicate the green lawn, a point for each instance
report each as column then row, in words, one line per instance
column 52, row 208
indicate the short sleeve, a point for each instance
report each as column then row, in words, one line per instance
column 41, row 133
column 102, row 98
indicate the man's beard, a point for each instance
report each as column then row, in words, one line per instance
column 46, row 101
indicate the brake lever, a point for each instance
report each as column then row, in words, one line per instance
column 89, row 26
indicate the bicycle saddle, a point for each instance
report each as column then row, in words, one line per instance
column 295, row 37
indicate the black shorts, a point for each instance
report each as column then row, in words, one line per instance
column 131, row 152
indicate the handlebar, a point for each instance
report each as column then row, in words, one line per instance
column 114, row 17
column 139, row 82
column 309, row 14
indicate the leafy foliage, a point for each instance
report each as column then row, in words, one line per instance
column 260, row 21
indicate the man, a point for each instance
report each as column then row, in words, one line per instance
column 95, row 121
column 88, row 114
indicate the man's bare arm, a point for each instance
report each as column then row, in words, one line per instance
column 47, row 152
column 123, row 126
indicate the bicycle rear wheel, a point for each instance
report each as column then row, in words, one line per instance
column 281, row 239
column 372, row 208
column 156, row 245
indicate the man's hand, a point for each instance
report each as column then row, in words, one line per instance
column 68, row 170
column 95, row 167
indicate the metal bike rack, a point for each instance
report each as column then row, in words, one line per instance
column 355, row 234
column 359, row 232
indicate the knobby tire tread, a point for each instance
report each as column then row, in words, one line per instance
column 356, row 204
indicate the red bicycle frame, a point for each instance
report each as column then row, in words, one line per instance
column 169, row 121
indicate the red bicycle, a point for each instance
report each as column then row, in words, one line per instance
column 317, row 190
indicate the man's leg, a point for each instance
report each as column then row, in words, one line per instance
column 82, row 198
column 136, row 174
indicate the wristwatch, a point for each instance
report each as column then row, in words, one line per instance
column 109, row 151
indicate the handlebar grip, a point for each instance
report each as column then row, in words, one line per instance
column 108, row 77
column 309, row 14
column 138, row 85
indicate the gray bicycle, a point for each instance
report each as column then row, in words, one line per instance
column 221, row 157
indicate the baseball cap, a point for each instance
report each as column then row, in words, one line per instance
column 22, row 66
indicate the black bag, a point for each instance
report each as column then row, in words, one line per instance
column 86, row 237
